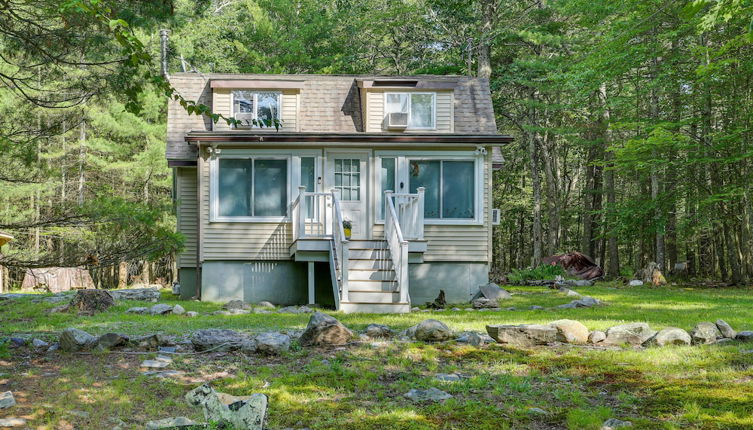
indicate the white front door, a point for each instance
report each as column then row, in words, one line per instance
column 347, row 173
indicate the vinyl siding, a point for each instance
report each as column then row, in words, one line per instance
column 222, row 99
column 240, row 241
column 375, row 112
column 187, row 214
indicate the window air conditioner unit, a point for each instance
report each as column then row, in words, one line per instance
column 496, row 214
column 397, row 120
column 246, row 118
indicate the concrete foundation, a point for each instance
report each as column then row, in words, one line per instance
column 460, row 281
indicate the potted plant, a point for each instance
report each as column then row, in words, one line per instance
column 348, row 227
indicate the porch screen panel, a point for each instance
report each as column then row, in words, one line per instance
column 427, row 174
column 388, row 182
column 308, row 180
column 270, row 187
column 457, row 189
column 234, row 187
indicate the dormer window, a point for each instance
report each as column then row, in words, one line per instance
column 260, row 106
column 419, row 107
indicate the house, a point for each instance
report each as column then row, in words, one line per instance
column 404, row 162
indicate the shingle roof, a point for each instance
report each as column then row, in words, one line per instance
column 329, row 103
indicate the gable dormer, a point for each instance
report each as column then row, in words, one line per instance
column 263, row 100
column 405, row 106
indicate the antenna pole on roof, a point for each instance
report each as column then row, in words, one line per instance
column 163, row 51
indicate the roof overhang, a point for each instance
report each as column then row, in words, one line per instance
column 403, row 84
column 256, row 84
column 5, row 238
column 346, row 139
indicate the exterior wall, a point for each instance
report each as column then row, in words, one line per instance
column 222, row 99
column 460, row 281
column 185, row 192
column 280, row 282
column 375, row 112
column 187, row 280
column 240, row 240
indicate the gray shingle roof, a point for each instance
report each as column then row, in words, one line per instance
column 329, row 103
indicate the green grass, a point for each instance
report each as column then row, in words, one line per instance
column 362, row 387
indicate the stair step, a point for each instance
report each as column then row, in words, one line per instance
column 368, row 244
column 387, row 286
column 370, row 264
column 375, row 308
column 371, row 275
column 373, row 297
column 368, row 254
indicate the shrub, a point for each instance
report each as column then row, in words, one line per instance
column 544, row 271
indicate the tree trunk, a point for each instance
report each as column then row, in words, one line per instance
column 122, row 274
column 488, row 10
column 81, row 162
column 536, row 184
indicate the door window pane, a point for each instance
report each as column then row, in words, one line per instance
column 388, row 181
column 308, row 180
column 426, row 173
column 270, row 187
column 457, row 189
column 422, row 111
column 234, row 187
column 348, row 178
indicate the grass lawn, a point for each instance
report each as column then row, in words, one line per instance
column 362, row 386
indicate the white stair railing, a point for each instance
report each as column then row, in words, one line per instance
column 340, row 246
column 410, row 214
column 398, row 246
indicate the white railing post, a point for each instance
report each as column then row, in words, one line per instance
column 404, row 297
column 302, row 212
column 420, row 214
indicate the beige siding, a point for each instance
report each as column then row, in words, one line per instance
column 221, row 103
column 187, row 214
column 375, row 112
column 240, row 241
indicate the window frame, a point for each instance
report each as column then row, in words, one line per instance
column 256, row 106
column 410, row 102
column 402, row 174
column 293, row 159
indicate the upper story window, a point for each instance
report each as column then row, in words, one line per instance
column 262, row 106
column 420, row 108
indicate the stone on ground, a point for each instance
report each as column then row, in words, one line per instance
column 171, row 423
column 492, row 292
column 430, row 395
column 432, row 331
column 265, row 304
column 570, row 293
column 447, row 377
column 705, row 332
column 726, row 330
column 670, row 336
column 7, row 400
column 632, row 334
column 635, row 283
column 247, row 412
column 614, row 423
column 537, row 411
column 324, row 330
column 89, row 302
column 192, row 314
column 179, row 310
column 39, row 343
column 218, row 340
column 12, row 422
column 745, row 336
column 160, row 309
column 160, row 362
column 523, row 334
column 137, row 310
column 484, row 303
column 295, row 310
column 73, row 339
column 112, row 340
column 139, row 294
column 473, row 339
column 570, row 331
column 272, row 343
column 236, row 304
column 378, row 331
column 596, row 336
column 152, row 341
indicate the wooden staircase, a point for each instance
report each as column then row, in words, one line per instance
column 372, row 281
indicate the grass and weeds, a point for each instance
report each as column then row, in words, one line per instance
column 362, row 386
column 544, row 271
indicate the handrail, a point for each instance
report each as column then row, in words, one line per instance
column 340, row 246
column 398, row 246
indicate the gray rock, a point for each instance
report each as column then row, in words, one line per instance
column 265, row 304
column 430, row 395
column 73, row 339
column 570, row 331
column 192, row 314
column 455, row 309
column 705, row 332
column 536, row 308
column 272, row 343
column 7, row 400
column 447, row 377
column 262, row 311
column 112, row 340
column 537, row 411
column 726, row 330
column 290, row 310
column 471, row 338
column 165, row 374
column 597, row 336
column 324, row 330
column 218, row 340
column 160, row 362
column 669, row 336
column 221, row 313
column 151, row 341
column 17, row 342
column 632, row 333
column 378, row 331
column 179, row 310
column 77, row 413
column 236, row 304
column 160, row 309
column 246, row 412
column 586, row 302
column 305, row 310
column 12, row 422
column 171, row 423
column 432, row 331
column 39, row 343
column 484, row 303
column 570, row 305
column 570, row 293
column 745, row 336
column 635, row 283
column 614, row 423
column 523, row 334
column 492, row 292
column 54, row 347
column 137, row 310
column 415, row 309
column 140, row 294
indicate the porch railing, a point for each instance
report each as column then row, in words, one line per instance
column 410, row 213
column 398, row 245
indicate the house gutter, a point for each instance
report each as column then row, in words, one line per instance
column 377, row 140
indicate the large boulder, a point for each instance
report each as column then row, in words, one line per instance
column 597, row 336
column 632, row 334
column 89, row 302
column 570, row 331
column 523, row 334
column 246, row 412
column 139, row 294
column 378, row 331
column 484, row 303
column 492, row 292
column 216, row 339
column 745, row 336
column 73, row 339
column 726, row 330
column 432, row 331
column 323, row 330
column 160, row 309
column 669, row 336
column 705, row 332
column 112, row 340
column 272, row 343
